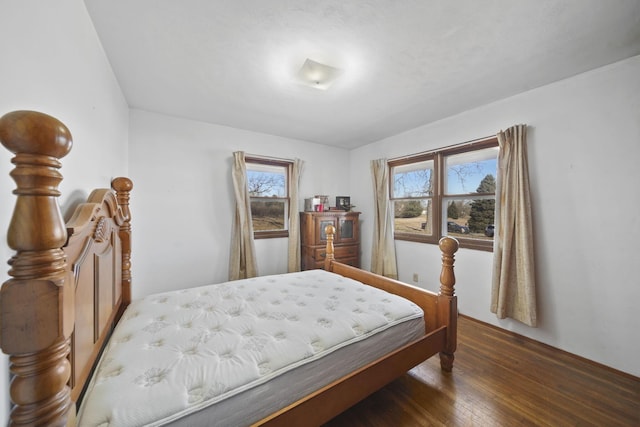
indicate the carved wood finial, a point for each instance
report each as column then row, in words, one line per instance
column 36, row 331
column 329, row 231
column 31, row 132
column 122, row 184
column 123, row 187
column 448, row 246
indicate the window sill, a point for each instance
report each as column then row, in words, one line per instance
column 270, row 234
column 479, row 245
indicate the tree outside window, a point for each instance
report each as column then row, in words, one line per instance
column 412, row 196
column 446, row 192
column 267, row 184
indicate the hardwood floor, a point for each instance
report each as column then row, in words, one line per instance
column 502, row 380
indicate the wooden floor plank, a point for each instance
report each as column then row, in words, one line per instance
column 502, row 379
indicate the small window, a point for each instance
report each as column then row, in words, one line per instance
column 413, row 185
column 267, row 183
column 446, row 192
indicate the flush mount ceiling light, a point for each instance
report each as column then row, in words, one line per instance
column 317, row 75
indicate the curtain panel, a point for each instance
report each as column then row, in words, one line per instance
column 242, row 257
column 295, row 171
column 513, row 291
column 383, row 252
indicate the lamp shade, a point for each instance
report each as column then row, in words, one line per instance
column 317, row 75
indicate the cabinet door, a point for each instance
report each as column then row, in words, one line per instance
column 348, row 229
column 320, row 228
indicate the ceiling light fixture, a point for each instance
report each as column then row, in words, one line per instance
column 317, row 75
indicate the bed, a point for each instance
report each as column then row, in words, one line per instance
column 70, row 327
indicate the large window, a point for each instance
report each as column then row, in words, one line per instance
column 267, row 182
column 446, row 192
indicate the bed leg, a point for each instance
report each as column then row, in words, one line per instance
column 446, row 361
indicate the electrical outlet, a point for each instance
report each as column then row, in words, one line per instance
column 415, row 277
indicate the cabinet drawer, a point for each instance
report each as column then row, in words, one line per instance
column 350, row 251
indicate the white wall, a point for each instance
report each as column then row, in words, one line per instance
column 52, row 62
column 182, row 201
column 584, row 146
column 584, row 150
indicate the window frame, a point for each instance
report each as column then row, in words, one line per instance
column 438, row 192
column 286, row 164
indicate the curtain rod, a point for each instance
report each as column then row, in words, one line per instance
column 462, row 144
column 261, row 157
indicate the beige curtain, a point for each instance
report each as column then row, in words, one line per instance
column 242, row 259
column 513, row 284
column 383, row 252
column 294, row 217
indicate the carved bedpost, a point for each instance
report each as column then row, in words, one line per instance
column 123, row 187
column 330, row 231
column 447, row 301
column 37, row 303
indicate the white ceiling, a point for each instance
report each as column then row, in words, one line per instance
column 405, row 62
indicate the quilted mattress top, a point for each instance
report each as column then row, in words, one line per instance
column 177, row 352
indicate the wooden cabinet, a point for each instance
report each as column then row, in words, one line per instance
column 314, row 240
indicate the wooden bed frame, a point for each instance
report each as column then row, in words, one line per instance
column 70, row 284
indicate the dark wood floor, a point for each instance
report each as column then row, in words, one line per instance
column 502, row 380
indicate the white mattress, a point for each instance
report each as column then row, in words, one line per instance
column 218, row 355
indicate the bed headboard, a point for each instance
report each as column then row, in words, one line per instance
column 98, row 232
column 55, row 274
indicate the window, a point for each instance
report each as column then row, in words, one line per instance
column 446, row 192
column 267, row 183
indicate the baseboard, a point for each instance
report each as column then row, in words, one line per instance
column 572, row 355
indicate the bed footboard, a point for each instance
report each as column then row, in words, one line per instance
column 441, row 309
column 440, row 338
